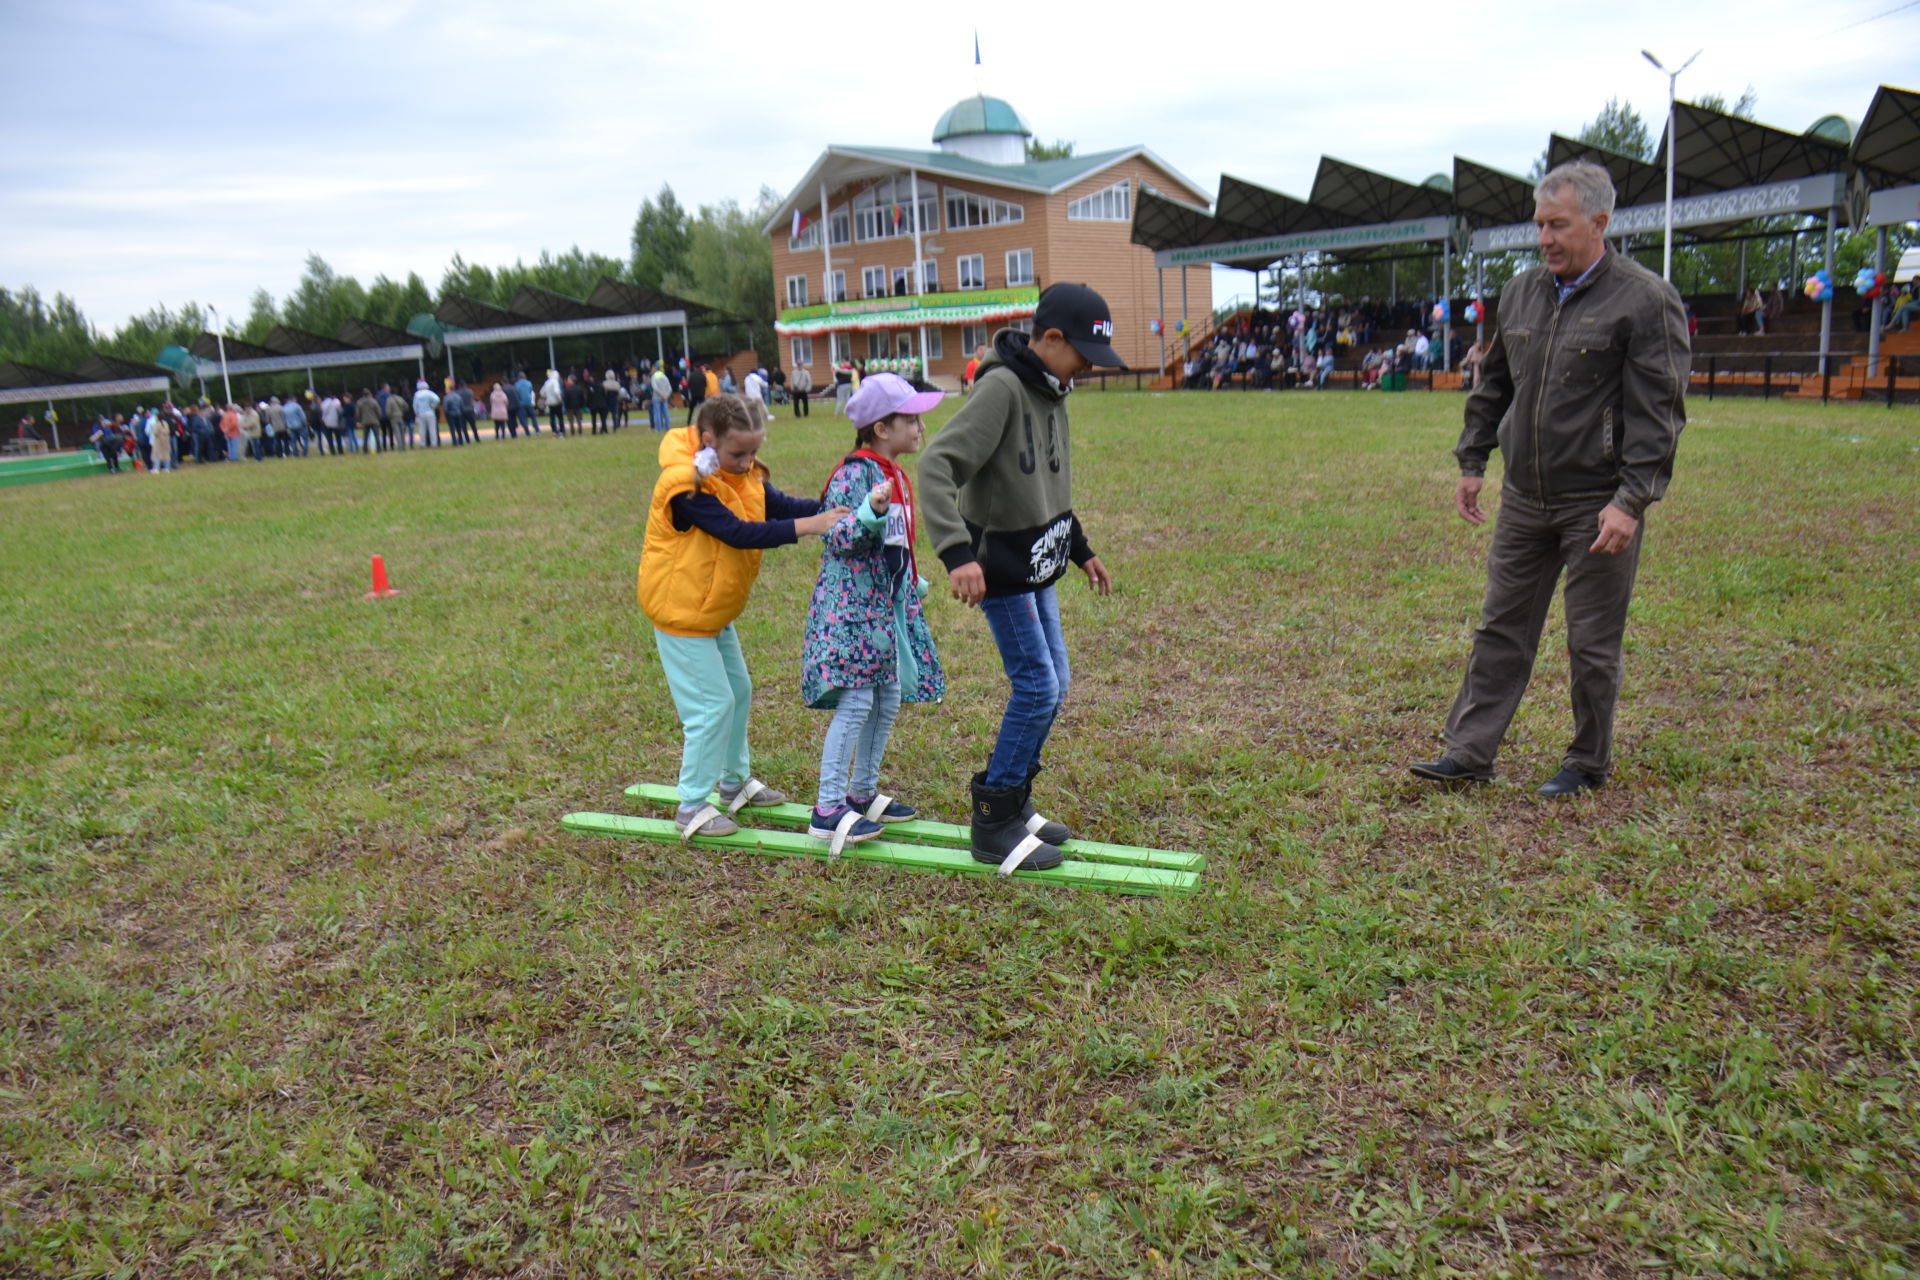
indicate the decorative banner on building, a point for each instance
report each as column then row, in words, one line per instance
column 85, row 390
column 970, row 306
column 1270, row 247
column 1802, row 195
column 565, row 328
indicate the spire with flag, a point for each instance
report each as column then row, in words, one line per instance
column 976, row 48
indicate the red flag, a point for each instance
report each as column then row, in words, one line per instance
column 798, row 222
column 896, row 216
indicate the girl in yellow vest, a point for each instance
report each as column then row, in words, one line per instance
column 713, row 513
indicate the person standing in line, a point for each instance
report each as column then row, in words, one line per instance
column 1582, row 389
column 395, row 433
column 696, row 390
column 426, row 414
column 366, row 416
column 551, row 399
column 497, row 409
column 229, row 427
column 660, row 401
column 330, row 425
column 273, row 428
column 250, row 432
column 523, row 399
column 160, row 429
column 574, row 396
column 610, row 397
column 800, row 386
column 298, row 433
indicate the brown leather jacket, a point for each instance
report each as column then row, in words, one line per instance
column 1585, row 399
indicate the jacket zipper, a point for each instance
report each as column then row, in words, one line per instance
column 1546, row 363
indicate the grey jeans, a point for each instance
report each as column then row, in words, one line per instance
column 1531, row 546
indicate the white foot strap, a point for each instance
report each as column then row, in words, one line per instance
column 839, row 841
column 748, row 790
column 1012, row 861
column 1035, row 823
column 697, row 821
column 878, row 807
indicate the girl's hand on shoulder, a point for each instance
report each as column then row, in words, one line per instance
column 815, row 525
column 879, row 496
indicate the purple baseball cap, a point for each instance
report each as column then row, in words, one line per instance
column 881, row 394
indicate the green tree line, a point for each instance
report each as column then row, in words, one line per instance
column 715, row 255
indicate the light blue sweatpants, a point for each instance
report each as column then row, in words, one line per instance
column 713, row 694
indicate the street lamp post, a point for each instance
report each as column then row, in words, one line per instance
column 221, row 340
column 1666, row 248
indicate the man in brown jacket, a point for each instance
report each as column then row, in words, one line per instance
column 1582, row 391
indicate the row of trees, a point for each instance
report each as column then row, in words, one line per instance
column 715, row 255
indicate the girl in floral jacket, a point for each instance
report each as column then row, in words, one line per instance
column 867, row 646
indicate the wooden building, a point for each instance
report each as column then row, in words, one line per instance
column 986, row 228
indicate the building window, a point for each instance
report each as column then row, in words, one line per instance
column 802, row 352
column 964, row 209
column 973, row 271
column 873, row 282
column 936, row 344
column 840, row 228
column 886, row 209
column 836, row 282
column 972, row 337
column 1020, row 266
column 1114, row 204
column 1022, row 324
column 929, row 276
column 840, row 347
column 796, row 291
column 878, row 345
column 809, row 238
column 899, row 282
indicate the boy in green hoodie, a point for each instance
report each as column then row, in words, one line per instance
column 996, row 490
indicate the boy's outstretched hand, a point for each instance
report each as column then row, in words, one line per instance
column 1097, row 578
column 815, row 525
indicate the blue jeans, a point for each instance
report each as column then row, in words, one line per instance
column 856, row 739
column 713, row 694
column 658, row 412
column 1034, row 655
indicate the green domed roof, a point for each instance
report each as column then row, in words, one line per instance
column 1834, row 129
column 980, row 114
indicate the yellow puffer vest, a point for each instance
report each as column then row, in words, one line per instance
column 693, row 584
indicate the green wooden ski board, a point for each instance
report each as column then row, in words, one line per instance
column 912, row 857
column 944, row 834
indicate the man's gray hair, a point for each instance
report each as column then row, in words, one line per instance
column 1592, row 186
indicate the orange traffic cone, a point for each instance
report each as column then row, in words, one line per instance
column 380, row 587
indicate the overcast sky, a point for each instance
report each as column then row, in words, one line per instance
column 175, row 150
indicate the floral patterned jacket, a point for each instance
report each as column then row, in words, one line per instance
column 864, row 612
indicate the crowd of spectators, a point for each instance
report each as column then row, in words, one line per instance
column 382, row 419
column 1302, row 347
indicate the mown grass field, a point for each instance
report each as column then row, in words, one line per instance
column 302, row 977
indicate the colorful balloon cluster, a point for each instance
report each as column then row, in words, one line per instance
column 1155, row 326
column 1819, row 285
column 1475, row 312
column 1870, row 282
column 1179, row 326
column 1441, row 310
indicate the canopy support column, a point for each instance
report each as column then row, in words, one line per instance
column 1826, row 308
column 1446, row 289
column 1879, row 300
column 552, row 363
column 659, row 349
column 1186, row 329
column 1160, row 282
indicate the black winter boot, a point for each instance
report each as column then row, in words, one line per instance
column 1050, row 831
column 998, row 829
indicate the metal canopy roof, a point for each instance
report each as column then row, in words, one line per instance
column 208, row 347
column 99, row 368
column 14, row 374
column 1160, row 222
column 532, row 303
column 463, row 312
column 1253, row 210
column 1635, row 181
column 288, row 341
column 1888, row 140
column 29, row 383
column 617, row 297
column 1483, row 192
column 1364, row 196
column 365, row 333
column 1723, row 151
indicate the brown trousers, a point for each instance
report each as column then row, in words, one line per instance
column 1531, row 546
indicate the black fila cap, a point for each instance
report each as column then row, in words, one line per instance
column 1083, row 316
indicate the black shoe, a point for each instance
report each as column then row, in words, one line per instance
column 998, row 829
column 1569, row 782
column 1446, row 769
column 1048, row 830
